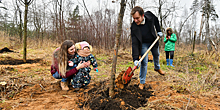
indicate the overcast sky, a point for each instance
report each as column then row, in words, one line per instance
column 95, row 5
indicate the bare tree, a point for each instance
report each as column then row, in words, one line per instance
column 201, row 26
column 18, row 23
column 26, row 3
column 2, row 6
column 183, row 22
column 194, row 6
column 131, row 4
column 117, row 39
column 194, row 39
column 209, row 11
column 37, row 19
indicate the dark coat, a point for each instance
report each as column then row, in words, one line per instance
column 136, row 36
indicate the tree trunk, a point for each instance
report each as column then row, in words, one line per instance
column 161, row 21
column 25, row 32
column 207, row 36
column 207, row 29
column 20, row 26
column 117, row 39
column 60, row 21
column 201, row 27
column 194, row 39
column 20, row 23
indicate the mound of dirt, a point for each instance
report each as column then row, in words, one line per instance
column 95, row 97
column 5, row 49
column 131, row 97
column 12, row 61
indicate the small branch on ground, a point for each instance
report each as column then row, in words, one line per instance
column 42, row 87
column 188, row 102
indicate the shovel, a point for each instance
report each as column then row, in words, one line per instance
column 130, row 72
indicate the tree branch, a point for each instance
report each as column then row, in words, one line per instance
column 90, row 17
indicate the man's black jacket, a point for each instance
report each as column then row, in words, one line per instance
column 136, row 36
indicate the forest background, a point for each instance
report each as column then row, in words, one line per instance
column 96, row 21
column 35, row 28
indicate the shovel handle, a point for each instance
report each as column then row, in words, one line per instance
column 158, row 37
column 135, row 67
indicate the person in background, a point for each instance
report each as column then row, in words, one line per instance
column 169, row 40
column 143, row 35
column 60, row 68
column 82, row 78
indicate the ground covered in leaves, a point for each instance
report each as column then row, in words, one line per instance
column 192, row 84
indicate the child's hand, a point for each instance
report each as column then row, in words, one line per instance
column 70, row 63
column 96, row 69
column 80, row 65
column 87, row 64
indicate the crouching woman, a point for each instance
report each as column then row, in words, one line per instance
column 60, row 68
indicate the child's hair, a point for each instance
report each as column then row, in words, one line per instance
column 169, row 29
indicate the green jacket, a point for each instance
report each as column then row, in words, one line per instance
column 170, row 43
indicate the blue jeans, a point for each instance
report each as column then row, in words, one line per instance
column 155, row 53
column 57, row 75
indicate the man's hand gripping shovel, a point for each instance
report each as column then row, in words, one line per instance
column 130, row 71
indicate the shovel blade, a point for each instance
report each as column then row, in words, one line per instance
column 126, row 77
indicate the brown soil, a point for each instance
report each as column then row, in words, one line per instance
column 20, row 93
column 12, row 61
column 5, row 49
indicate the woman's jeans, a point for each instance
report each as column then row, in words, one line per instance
column 57, row 75
column 155, row 53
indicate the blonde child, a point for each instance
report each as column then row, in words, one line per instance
column 83, row 54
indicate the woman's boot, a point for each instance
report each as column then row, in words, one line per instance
column 64, row 86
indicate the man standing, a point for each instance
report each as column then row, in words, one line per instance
column 143, row 34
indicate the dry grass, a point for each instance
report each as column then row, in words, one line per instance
column 193, row 74
column 198, row 72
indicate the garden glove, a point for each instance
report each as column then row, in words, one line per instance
column 160, row 34
column 136, row 62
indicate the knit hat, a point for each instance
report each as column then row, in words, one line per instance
column 82, row 45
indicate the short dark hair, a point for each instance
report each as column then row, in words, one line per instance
column 137, row 9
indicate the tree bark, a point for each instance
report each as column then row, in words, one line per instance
column 20, row 26
column 60, row 21
column 194, row 40
column 207, row 28
column 201, row 27
column 117, row 39
column 26, row 3
column 25, row 32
